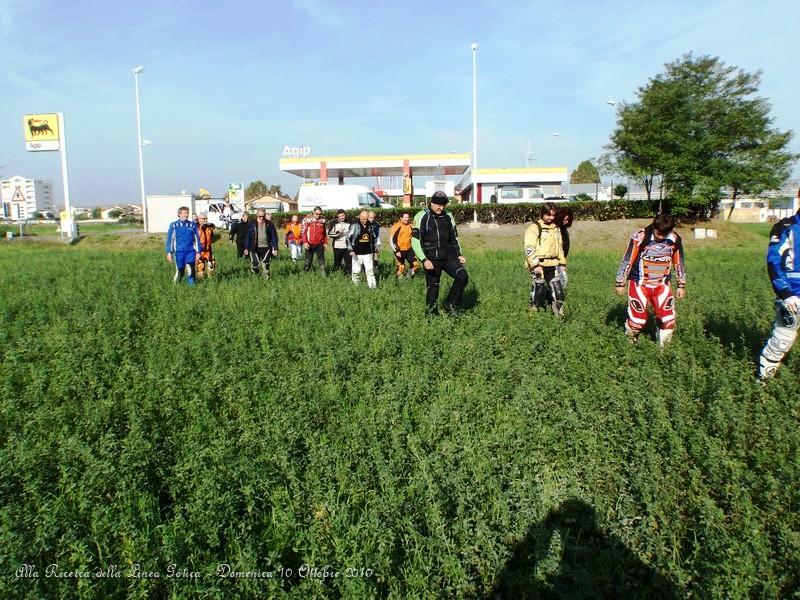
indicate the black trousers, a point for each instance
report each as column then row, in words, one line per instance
column 319, row 250
column 342, row 255
column 240, row 248
column 456, row 270
column 259, row 256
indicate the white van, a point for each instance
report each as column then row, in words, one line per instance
column 334, row 197
column 518, row 194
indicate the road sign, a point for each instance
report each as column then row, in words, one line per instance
column 42, row 132
column 18, row 195
column 236, row 193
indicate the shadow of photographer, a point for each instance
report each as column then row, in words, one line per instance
column 568, row 556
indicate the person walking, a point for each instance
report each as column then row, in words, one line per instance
column 206, row 263
column 314, row 238
column 646, row 268
column 238, row 233
column 376, row 233
column 361, row 245
column 400, row 236
column 261, row 243
column 435, row 243
column 293, row 242
column 564, row 219
column 182, row 246
column 544, row 257
column 783, row 267
column 337, row 232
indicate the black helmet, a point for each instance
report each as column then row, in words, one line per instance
column 439, row 198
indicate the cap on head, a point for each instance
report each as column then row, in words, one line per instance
column 439, row 198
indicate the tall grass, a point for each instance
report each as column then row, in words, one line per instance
column 268, row 425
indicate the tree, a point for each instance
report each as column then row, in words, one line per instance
column 275, row 190
column 698, row 128
column 620, row 190
column 255, row 190
column 114, row 213
column 585, row 173
column 96, row 213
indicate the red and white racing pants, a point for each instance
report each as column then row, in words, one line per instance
column 639, row 296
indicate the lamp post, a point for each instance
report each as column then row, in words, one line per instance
column 475, row 184
column 140, row 143
column 558, row 135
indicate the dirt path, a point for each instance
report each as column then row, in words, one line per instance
column 598, row 235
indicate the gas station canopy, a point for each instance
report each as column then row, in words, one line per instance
column 395, row 165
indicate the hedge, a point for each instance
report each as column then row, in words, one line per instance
column 525, row 213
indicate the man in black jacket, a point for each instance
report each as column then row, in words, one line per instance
column 261, row 242
column 435, row 242
column 239, row 232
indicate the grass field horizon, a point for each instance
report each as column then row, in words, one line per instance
column 304, row 421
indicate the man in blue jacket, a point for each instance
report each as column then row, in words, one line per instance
column 261, row 242
column 183, row 244
column 783, row 266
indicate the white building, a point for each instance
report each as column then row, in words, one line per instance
column 479, row 187
column 22, row 197
column 162, row 209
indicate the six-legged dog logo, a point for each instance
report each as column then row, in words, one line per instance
column 38, row 127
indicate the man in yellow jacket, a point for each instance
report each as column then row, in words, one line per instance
column 544, row 257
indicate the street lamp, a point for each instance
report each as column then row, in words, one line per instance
column 474, row 48
column 558, row 135
column 140, row 143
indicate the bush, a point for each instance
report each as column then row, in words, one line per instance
column 524, row 213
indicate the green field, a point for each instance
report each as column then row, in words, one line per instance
column 302, row 427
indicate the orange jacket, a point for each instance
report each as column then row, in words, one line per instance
column 400, row 236
column 293, row 233
column 206, row 237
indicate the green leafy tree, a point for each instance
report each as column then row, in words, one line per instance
column 96, row 213
column 255, row 190
column 699, row 128
column 620, row 190
column 586, row 172
column 114, row 213
column 275, row 190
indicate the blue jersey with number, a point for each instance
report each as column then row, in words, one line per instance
column 783, row 257
column 182, row 236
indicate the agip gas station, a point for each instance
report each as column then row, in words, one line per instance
column 480, row 186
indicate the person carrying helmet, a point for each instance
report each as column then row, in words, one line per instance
column 361, row 245
column 261, row 242
column 400, row 236
column 783, row 267
column 544, row 258
column 182, row 246
column 647, row 268
column 435, row 242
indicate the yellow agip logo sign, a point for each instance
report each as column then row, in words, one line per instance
column 42, row 132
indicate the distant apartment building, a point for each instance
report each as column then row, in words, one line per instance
column 22, row 198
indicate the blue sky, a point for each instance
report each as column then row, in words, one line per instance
column 227, row 85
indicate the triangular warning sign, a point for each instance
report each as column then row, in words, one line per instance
column 18, row 195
